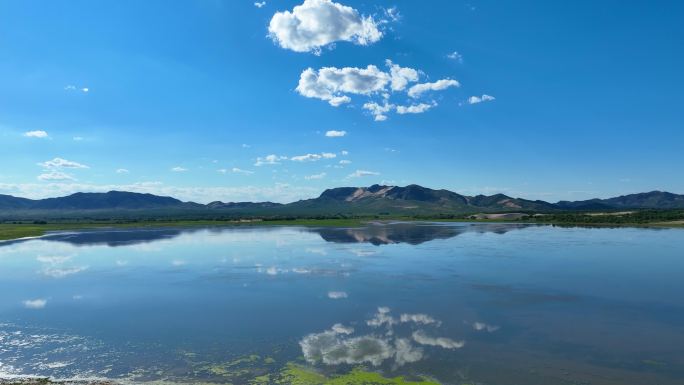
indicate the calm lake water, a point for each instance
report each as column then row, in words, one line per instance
column 458, row 303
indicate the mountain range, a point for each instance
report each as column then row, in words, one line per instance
column 373, row 200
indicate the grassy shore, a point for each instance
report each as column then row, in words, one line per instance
column 10, row 231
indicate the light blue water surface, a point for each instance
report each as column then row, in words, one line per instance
column 460, row 303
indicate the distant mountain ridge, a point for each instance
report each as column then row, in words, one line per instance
column 375, row 199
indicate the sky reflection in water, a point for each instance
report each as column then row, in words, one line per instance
column 489, row 303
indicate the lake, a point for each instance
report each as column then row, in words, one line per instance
column 454, row 303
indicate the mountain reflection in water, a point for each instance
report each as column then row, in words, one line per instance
column 376, row 233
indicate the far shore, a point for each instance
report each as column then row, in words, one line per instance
column 19, row 231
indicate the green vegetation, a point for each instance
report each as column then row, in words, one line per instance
column 651, row 218
column 670, row 218
column 298, row 375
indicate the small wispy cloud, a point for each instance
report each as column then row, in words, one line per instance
column 78, row 138
column 345, row 161
column 442, row 84
column 480, row 99
column 335, row 134
column 122, row 171
column 455, row 56
column 55, row 176
column 269, row 160
column 72, row 87
column 315, row 176
column 313, row 157
column 179, row 169
column 36, row 134
column 362, row 173
column 236, row 170
column 259, row 4
column 35, row 303
column 61, row 163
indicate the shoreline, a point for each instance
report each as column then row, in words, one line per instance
column 10, row 232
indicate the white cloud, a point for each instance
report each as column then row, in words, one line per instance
column 456, row 56
column 244, row 145
column 61, row 272
column 53, row 259
column 259, row 4
column 35, row 303
column 122, row 171
column 362, row 173
column 345, row 161
column 313, row 157
column 55, row 175
column 422, row 338
column 337, row 294
column 72, row 87
column 480, row 99
column 179, row 169
column 335, row 134
column 423, row 319
column 378, row 111
column 415, row 108
column 329, row 83
column 78, row 138
column 269, row 159
column 344, row 152
column 36, row 134
column 317, row 23
column 315, row 176
column 442, row 84
column 401, row 76
column 61, row 163
column 335, row 85
column 241, row 171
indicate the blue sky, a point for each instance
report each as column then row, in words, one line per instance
column 583, row 98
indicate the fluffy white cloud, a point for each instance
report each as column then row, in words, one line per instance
column 35, row 303
column 362, row 173
column 379, row 111
column 317, row 23
column 442, row 84
column 334, row 85
column 341, row 329
column 55, row 175
column 259, row 4
column 329, row 83
column 315, row 176
column 345, row 161
column 313, row 157
column 422, row 338
column 401, row 76
column 269, row 159
column 415, row 108
column 61, row 163
column 335, row 134
column 337, row 294
column 179, row 169
column 480, row 99
column 122, row 171
column 36, row 134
